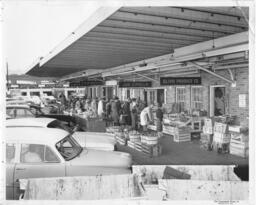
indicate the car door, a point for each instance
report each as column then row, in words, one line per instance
column 10, row 166
column 38, row 161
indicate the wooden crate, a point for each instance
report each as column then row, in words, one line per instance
column 151, row 150
column 239, row 148
column 221, row 148
column 221, row 137
column 220, row 127
column 207, row 130
column 121, row 140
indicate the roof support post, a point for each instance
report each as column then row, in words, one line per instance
column 144, row 76
column 212, row 73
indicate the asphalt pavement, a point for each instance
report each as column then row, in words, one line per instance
column 183, row 153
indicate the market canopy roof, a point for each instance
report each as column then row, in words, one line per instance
column 117, row 36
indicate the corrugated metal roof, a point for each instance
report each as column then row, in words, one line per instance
column 135, row 33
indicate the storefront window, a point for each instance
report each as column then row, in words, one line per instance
column 196, row 98
column 181, row 96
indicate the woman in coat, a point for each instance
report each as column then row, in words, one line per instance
column 115, row 111
column 134, row 114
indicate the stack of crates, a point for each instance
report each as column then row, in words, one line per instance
column 207, row 135
column 120, row 138
column 239, row 143
column 221, row 137
column 182, row 134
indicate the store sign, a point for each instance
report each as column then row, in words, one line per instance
column 111, row 83
column 180, row 81
column 86, row 83
column 130, row 84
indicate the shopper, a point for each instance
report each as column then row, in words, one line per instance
column 115, row 111
column 146, row 117
column 94, row 107
column 126, row 113
column 159, row 120
column 134, row 114
column 100, row 108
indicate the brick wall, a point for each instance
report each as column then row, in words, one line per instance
column 232, row 93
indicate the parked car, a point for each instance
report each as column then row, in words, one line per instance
column 55, row 154
column 23, row 111
column 93, row 140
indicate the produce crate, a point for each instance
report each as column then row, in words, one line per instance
column 150, row 140
column 121, row 140
column 151, row 150
column 221, row 137
column 113, row 129
column 182, row 138
column 221, row 148
column 207, row 130
column 239, row 148
column 208, row 122
column 239, row 137
column 134, row 137
column 220, row 127
column 206, row 141
column 152, row 127
column 131, row 144
column 196, row 125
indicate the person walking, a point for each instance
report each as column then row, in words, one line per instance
column 159, row 120
column 115, row 111
column 126, row 113
column 100, row 108
column 146, row 117
column 134, row 114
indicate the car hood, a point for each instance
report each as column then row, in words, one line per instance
column 92, row 140
column 91, row 157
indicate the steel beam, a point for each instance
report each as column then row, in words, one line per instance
column 210, row 72
column 144, row 76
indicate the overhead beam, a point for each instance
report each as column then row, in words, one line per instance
column 99, row 15
column 176, row 17
column 144, row 76
column 210, row 72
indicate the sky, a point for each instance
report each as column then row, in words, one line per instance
column 32, row 28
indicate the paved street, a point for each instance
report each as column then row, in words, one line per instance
column 188, row 153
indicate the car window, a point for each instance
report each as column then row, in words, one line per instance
column 32, row 153
column 24, row 113
column 10, row 153
column 50, row 156
column 37, row 153
column 10, row 112
column 69, row 148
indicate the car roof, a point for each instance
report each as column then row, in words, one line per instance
column 29, row 122
column 47, row 136
column 17, row 106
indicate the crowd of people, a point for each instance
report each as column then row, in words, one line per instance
column 131, row 112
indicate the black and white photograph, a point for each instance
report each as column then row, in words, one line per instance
column 127, row 101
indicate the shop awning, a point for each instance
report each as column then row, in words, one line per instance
column 118, row 36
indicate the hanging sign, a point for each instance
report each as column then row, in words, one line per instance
column 180, row 81
column 111, row 83
column 86, row 83
column 130, row 84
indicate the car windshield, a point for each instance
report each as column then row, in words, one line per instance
column 68, row 148
column 36, row 110
column 60, row 125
